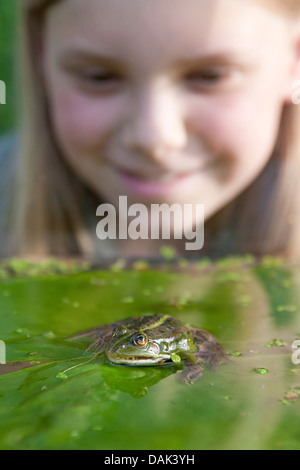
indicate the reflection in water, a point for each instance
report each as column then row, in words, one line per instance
column 135, row 380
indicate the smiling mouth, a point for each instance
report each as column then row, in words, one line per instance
column 157, row 178
column 155, row 185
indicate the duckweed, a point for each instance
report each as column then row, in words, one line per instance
column 275, row 343
column 260, row 370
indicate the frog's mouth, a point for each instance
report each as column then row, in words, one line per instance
column 138, row 360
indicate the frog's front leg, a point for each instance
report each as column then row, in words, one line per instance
column 193, row 367
column 208, row 349
column 192, row 372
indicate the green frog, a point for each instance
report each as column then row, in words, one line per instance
column 158, row 339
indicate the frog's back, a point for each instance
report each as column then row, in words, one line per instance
column 164, row 326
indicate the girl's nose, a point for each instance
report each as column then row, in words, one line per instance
column 155, row 126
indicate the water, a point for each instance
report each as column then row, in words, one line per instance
column 65, row 400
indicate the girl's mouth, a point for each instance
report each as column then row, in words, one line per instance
column 160, row 186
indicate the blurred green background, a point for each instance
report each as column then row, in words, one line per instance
column 8, row 63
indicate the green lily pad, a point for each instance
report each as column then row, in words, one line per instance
column 52, row 396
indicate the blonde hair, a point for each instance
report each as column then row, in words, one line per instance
column 47, row 218
column 51, row 205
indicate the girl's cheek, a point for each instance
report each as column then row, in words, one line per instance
column 216, row 128
column 80, row 121
column 235, row 128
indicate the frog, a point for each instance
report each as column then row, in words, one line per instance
column 157, row 340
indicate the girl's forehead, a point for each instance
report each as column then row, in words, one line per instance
column 162, row 25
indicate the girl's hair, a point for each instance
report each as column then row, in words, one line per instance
column 54, row 213
column 50, row 203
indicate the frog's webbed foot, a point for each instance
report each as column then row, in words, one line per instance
column 96, row 347
column 101, row 336
column 101, row 341
column 209, row 350
column 191, row 373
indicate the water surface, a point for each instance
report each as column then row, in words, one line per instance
column 65, row 400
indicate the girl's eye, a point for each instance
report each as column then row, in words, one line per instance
column 99, row 80
column 207, row 78
column 98, row 76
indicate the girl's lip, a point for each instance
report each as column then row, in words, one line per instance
column 154, row 187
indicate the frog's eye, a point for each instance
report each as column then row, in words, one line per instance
column 139, row 339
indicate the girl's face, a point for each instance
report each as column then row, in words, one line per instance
column 168, row 100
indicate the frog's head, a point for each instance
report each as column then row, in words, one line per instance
column 136, row 349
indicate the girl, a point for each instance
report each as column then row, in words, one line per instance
column 165, row 101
